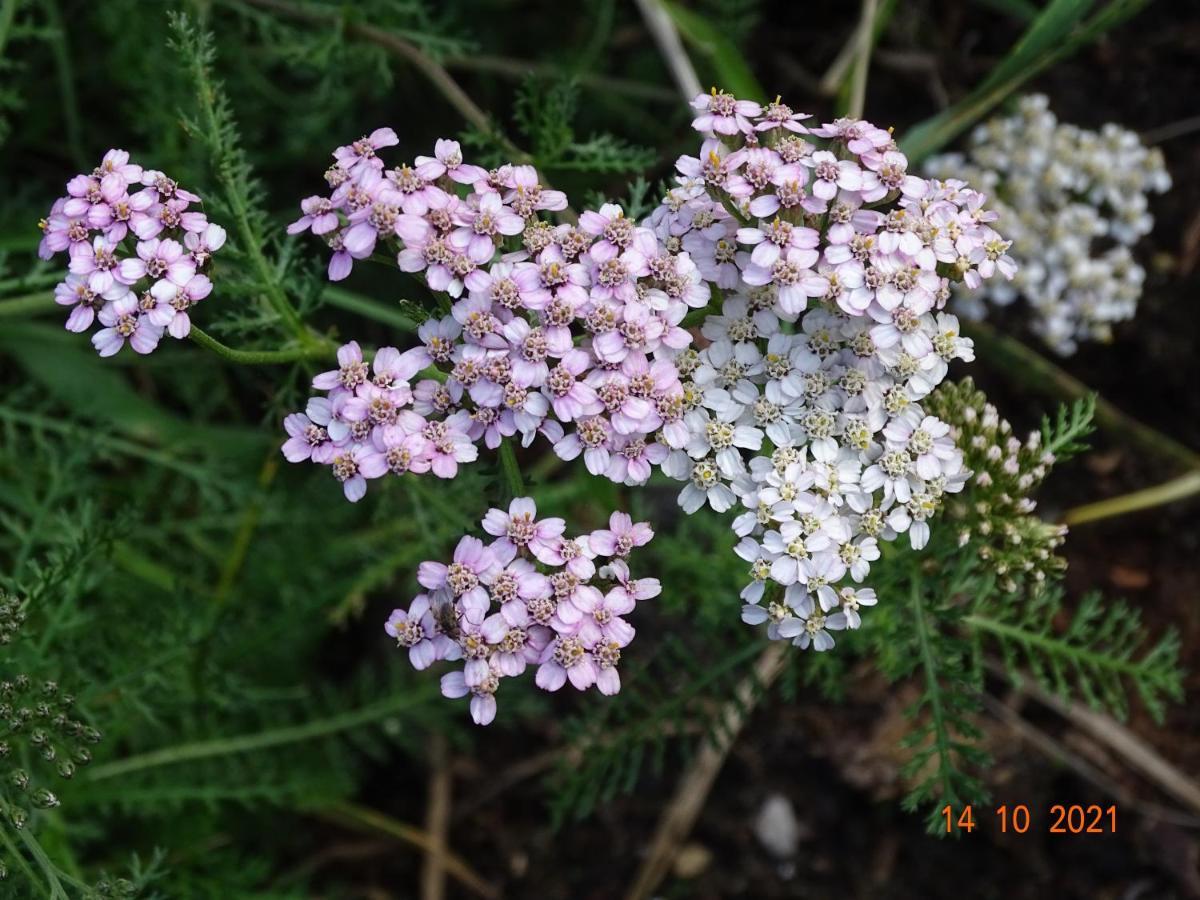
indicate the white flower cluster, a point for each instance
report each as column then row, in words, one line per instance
column 1073, row 203
column 805, row 405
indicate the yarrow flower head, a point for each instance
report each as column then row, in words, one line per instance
column 522, row 601
column 1074, row 203
column 804, row 406
column 563, row 331
column 137, row 254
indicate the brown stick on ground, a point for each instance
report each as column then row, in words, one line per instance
column 685, row 806
column 1058, row 752
column 1136, row 752
column 361, row 818
column 437, row 821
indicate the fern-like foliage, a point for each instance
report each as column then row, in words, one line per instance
column 1063, row 436
column 924, row 642
column 214, row 127
column 675, row 700
column 545, row 111
column 1103, row 652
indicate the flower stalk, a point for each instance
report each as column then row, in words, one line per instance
column 1169, row 492
column 323, row 350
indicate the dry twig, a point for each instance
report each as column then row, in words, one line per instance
column 363, row 819
column 437, row 821
column 681, row 813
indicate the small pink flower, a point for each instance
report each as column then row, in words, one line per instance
column 124, row 321
column 416, row 629
column 519, row 530
column 450, row 445
column 447, row 159
column 723, row 113
column 158, row 259
column 566, row 658
column 621, row 536
column 831, row 174
column 174, row 301
column 84, row 302
column 483, row 699
column 483, row 225
column 319, row 217
column 360, row 155
column 99, row 263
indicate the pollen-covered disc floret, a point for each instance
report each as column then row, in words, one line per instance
column 532, row 597
column 1074, row 202
column 833, row 264
column 137, row 260
column 560, row 330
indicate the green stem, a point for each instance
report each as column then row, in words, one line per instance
column 523, row 68
column 368, row 309
column 235, row 197
column 512, row 471
column 933, row 692
column 862, row 62
column 66, row 80
column 275, row 737
column 262, row 357
column 244, row 537
column 1030, row 369
column 1176, row 489
column 50, row 870
column 14, row 852
column 835, row 76
column 370, row 820
column 39, row 301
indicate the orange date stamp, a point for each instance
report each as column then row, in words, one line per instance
column 1061, row 818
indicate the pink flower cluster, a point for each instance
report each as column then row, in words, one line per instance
column 827, row 213
column 531, row 597
column 136, row 259
column 550, row 325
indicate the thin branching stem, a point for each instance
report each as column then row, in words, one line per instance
column 362, row 818
column 262, row 740
column 208, row 98
column 933, row 692
column 604, row 84
column 323, row 350
column 1187, row 485
column 434, row 71
column 513, row 482
column 367, row 308
column 14, row 852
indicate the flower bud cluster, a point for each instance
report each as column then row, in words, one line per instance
column 531, row 597
column 995, row 515
column 12, row 617
column 136, row 260
column 1074, row 202
column 805, row 404
column 39, row 716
